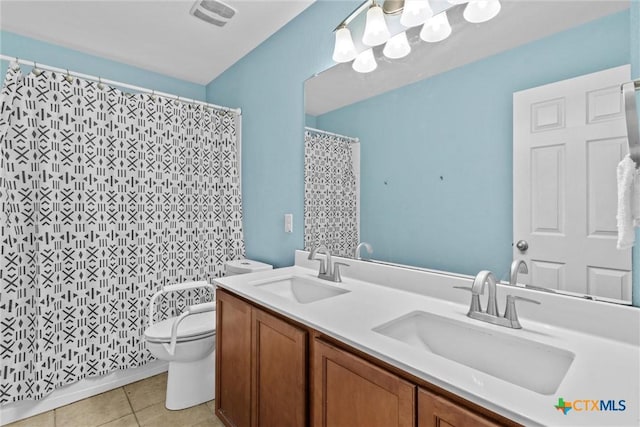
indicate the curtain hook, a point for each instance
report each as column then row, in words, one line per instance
column 36, row 71
column 17, row 67
column 68, row 77
column 153, row 95
column 100, row 84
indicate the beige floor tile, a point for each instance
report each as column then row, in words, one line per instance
column 159, row 416
column 214, row 422
column 126, row 421
column 95, row 410
column 147, row 392
column 43, row 420
column 212, row 405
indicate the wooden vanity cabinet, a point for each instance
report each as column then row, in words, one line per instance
column 437, row 411
column 279, row 377
column 349, row 391
column 233, row 360
column 272, row 371
column 261, row 366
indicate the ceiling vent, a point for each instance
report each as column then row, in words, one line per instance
column 213, row 11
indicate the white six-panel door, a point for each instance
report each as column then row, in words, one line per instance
column 568, row 139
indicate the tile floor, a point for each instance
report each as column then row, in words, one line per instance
column 139, row 404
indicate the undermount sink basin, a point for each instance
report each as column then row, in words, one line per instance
column 534, row 366
column 299, row 289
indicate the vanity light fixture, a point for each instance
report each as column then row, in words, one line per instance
column 375, row 31
column 481, row 10
column 397, row 46
column 436, row 29
column 413, row 13
column 344, row 50
column 365, row 62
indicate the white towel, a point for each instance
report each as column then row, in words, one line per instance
column 628, row 202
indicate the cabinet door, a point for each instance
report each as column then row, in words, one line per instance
column 279, row 387
column 436, row 411
column 233, row 360
column 349, row 391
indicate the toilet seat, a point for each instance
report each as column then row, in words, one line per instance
column 193, row 327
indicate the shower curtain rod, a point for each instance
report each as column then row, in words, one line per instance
column 116, row 83
column 356, row 139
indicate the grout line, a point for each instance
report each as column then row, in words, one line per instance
column 131, row 406
column 136, row 418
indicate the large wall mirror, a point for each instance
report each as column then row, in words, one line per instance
column 436, row 183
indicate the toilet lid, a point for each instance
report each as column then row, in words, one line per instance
column 192, row 327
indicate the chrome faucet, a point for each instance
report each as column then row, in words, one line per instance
column 491, row 315
column 328, row 271
column 477, row 289
column 367, row 246
column 517, row 266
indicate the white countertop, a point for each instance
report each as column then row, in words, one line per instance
column 604, row 368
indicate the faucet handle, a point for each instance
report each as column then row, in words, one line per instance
column 336, row 271
column 475, row 298
column 323, row 268
column 510, row 312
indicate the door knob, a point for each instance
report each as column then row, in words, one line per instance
column 522, row 245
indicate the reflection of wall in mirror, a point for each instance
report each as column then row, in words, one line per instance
column 436, row 173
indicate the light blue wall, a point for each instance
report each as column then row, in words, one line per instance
column 436, row 166
column 34, row 50
column 268, row 85
column 310, row 121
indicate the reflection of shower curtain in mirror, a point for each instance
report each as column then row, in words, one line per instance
column 105, row 197
column 330, row 194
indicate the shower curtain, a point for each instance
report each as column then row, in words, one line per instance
column 330, row 194
column 105, row 197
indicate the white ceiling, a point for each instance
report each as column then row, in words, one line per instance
column 519, row 22
column 158, row 35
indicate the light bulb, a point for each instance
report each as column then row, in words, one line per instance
column 375, row 30
column 415, row 12
column 436, row 29
column 344, row 50
column 397, row 46
column 365, row 62
column 481, row 10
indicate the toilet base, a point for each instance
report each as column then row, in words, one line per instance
column 191, row 383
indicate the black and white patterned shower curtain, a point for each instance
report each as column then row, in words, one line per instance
column 105, row 197
column 330, row 194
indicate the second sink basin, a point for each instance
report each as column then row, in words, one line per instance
column 299, row 289
column 529, row 364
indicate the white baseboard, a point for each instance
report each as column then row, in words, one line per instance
column 77, row 391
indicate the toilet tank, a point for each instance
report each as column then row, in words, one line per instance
column 242, row 266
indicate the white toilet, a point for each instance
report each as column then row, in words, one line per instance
column 188, row 342
column 242, row 266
